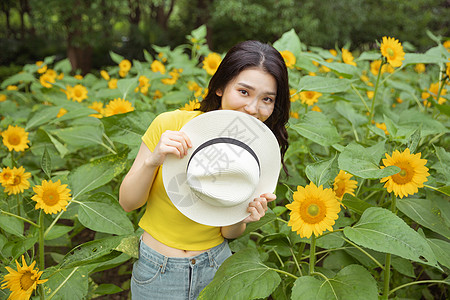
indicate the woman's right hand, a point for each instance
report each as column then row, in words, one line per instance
column 170, row 142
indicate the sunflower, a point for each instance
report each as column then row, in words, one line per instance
column 392, row 49
column 174, row 75
column 2, row 97
column 46, row 80
column 344, row 185
column 6, row 177
column 347, row 57
column 193, row 86
column 434, row 90
column 118, row 106
column 61, row 112
column 383, row 127
column 313, row 210
column 157, row 94
column 316, row 108
column 293, row 114
column 420, row 68
column 412, row 175
column 51, row 196
column 309, row 97
column 98, row 106
column 211, row 63
column 23, row 281
column 112, row 84
column 79, row 93
column 19, row 181
column 144, row 84
column 192, row 105
column 125, row 65
column 15, row 138
column 294, row 95
column 105, row 75
column 158, row 66
column 78, row 76
column 289, row 58
column 42, row 68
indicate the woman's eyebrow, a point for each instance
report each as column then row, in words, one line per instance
column 252, row 88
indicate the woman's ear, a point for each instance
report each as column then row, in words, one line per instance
column 219, row 92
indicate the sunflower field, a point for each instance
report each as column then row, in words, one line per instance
column 363, row 214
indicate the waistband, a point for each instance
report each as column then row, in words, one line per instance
column 159, row 258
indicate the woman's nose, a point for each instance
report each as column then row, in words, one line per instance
column 252, row 107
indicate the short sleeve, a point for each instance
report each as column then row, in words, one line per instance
column 157, row 127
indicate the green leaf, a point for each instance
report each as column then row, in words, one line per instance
column 425, row 213
column 14, row 79
column 289, row 41
column 444, row 190
column 80, row 137
column 363, row 162
column 57, row 231
column 424, row 58
column 341, row 69
column 102, row 212
column 12, row 225
column 75, row 281
column 414, row 140
column 318, row 128
column 242, row 276
column 324, row 84
column 355, row 204
column 96, row 173
column 321, row 172
column 129, row 245
column 127, row 128
column 42, row 116
column 92, row 252
column 352, row 282
column 442, row 251
column 75, row 113
column 381, row 230
column 107, row 289
column 127, row 85
column 403, row 266
column 46, row 163
column 414, row 119
column 199, row 33
column 116, row 57
column 58, row 145
column 347, row 111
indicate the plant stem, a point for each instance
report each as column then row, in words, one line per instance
column 285, row 273
column 375, row 96
column 41, row 249
column 18, row 204
column 360, row 97
column 296, row 262
column 387, row 265
column 418, row 282
column 365, row 252
column 312, row 255
column 18, row 217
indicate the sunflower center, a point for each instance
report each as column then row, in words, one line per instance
column 14, row 139
column 26, row 280
column 405, row 175
column 17, row 180
column 50, row 197
column 390, row 52
column 313, row 210
column 77, row 93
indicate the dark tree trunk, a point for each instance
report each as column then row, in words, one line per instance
column 203, row 7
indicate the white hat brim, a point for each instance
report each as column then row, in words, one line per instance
column 210, row 125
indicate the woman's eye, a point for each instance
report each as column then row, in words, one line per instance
column 268, row 100
column 243, row 92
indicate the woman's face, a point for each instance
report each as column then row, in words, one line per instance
column 253, row 92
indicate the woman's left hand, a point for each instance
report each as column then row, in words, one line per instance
column 258, row 207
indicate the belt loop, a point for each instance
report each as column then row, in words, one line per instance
column 211, row 258
column 163, row 266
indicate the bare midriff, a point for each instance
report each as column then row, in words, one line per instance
column 167, row 250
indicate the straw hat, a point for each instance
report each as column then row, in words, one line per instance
column 234, row 159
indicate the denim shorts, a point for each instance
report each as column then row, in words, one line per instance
column 156, row 276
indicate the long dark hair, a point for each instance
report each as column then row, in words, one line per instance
column 251, row 54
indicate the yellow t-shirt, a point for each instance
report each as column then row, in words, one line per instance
column 161, row 218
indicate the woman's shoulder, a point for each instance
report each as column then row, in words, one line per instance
column 179, row 117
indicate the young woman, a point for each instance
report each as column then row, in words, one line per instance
column 179, row 257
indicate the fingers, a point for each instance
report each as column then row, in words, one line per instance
column 257, row 209
column 269, row 196
column 174, row 142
